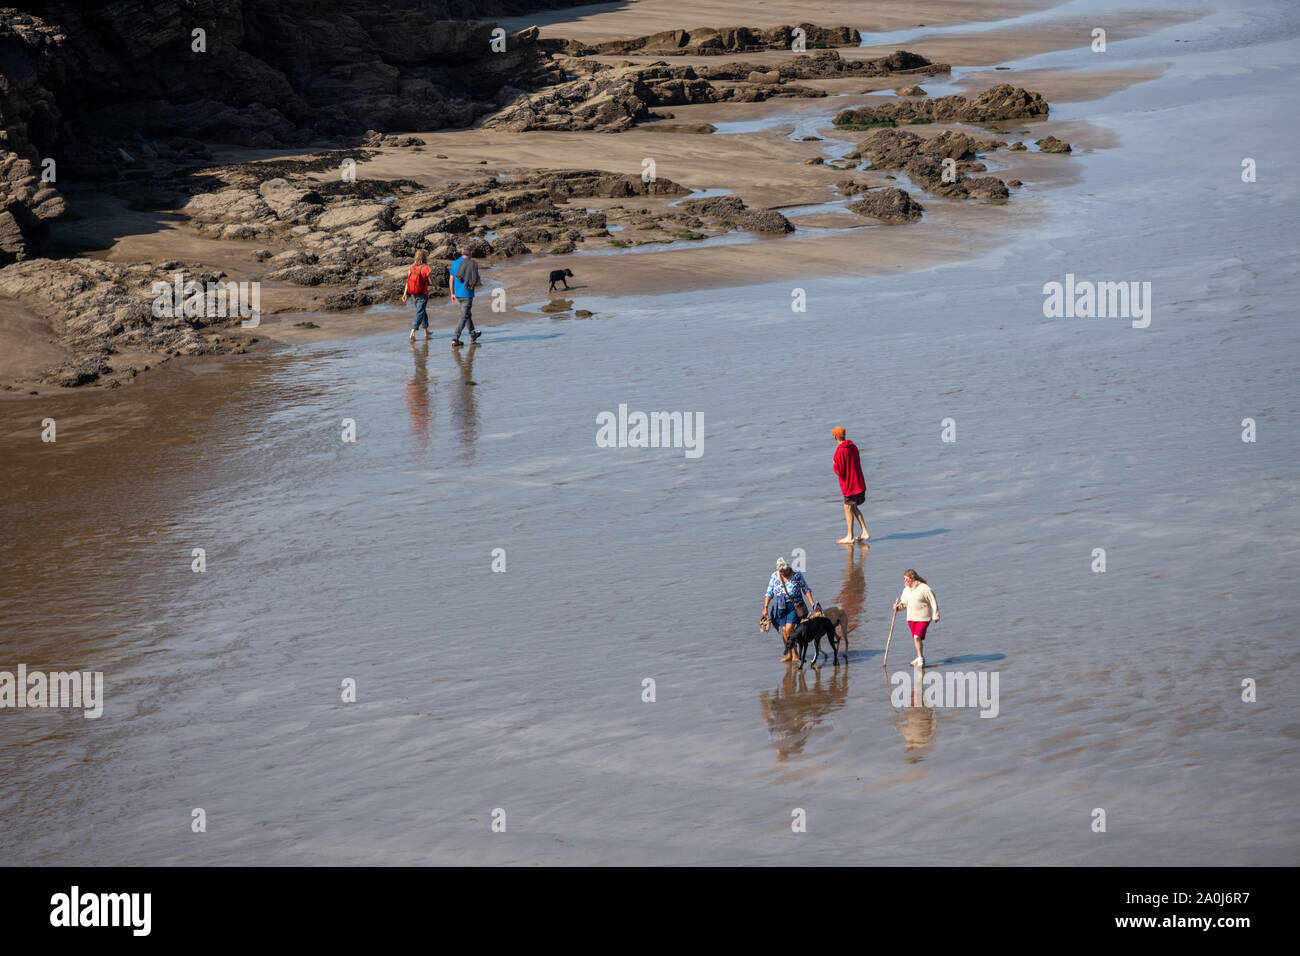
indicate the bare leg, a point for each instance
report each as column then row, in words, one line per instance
column 917, row 642
column 785, row 640
column 862, row 521
column 848, row 524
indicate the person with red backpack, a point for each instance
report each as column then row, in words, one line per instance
column 417, row 286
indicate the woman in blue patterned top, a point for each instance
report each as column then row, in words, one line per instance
column 788, row 594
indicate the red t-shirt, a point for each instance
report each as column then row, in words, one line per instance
column 417, row 280
column 848, row 467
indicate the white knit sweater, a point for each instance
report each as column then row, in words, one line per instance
column 921, row 603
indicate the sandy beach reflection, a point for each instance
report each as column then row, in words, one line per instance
column 418, row 405
column 914, row 721
column 793, row 709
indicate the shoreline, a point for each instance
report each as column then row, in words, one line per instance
column 764, row 168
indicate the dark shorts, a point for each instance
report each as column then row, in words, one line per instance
column 857, row 499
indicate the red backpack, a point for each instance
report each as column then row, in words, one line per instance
column 417, row 280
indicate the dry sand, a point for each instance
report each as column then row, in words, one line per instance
column 608, row 21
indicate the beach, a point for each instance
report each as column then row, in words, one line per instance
column 499, row 587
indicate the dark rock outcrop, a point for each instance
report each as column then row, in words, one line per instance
column 340, row 235
column 824, row 65
column 891, row 205
column 610, row 99
column 375, row 140
column 707, row 41
column 730, row 212
column 923, row 159
column 116, row 90
column 98, row 308
column 29, row 200
column 894, row 148
column 1051, row 144
column 1000, row 103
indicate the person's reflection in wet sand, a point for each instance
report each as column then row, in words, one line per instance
column 464, row 409
column 916, row 722
column 417, row 397
column 853, row 595
column 794, row 709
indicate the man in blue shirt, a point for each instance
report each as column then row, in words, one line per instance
column 461, row 283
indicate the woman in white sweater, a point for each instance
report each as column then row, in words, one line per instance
column 922, row 609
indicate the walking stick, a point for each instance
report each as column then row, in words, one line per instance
column 890, row 638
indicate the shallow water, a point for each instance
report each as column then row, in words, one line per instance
column 522, row 690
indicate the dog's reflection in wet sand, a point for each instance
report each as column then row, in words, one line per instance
column 795, row 708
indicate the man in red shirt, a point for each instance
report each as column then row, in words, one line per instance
column 848, row 468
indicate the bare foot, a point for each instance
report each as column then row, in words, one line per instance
column 788, row 657
column 844, row 541
column 864, row 537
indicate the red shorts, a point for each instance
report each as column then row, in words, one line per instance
column 918, row 629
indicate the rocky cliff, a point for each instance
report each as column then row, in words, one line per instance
column 101, row 88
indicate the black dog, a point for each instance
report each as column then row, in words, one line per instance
column 812, row 630
column 558, row 275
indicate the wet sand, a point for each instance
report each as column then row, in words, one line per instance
column 1063, row 32
column 27, row 342
column 522, row 689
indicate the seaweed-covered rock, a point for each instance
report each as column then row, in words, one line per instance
column 822, row 65
column 999, row 103
column 731, row 212
column 375, row 139
column 96, row 308
column 608, row 101
column 938, row 164
column 289, row 203
column 891, row 205
column 708, row 41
